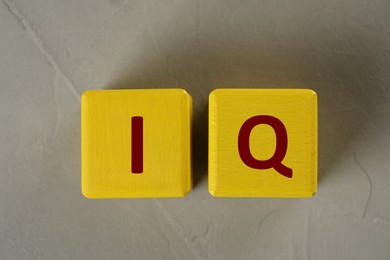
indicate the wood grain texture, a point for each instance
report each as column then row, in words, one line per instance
column 229, row 176
column 106, row 143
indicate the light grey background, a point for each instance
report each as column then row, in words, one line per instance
column 51, row 51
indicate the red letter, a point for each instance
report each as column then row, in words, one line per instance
column 137, row 144
column 281, row 145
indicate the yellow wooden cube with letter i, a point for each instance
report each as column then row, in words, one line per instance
column 136, row 143
column 263, row 143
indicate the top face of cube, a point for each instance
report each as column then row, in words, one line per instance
column 114, row 122
column 263, row 143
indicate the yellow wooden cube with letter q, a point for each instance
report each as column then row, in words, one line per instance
column 136, row 143
column 263, row 143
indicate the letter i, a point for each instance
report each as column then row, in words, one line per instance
column 137, row 144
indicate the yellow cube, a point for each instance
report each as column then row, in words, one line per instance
column 136, row 143
column 263, row 143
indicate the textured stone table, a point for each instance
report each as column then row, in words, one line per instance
column 51, row 51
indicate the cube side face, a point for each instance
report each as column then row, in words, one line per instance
column 107, row 143
column 229, row 110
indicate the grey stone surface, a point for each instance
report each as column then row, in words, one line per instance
column 51, row 51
